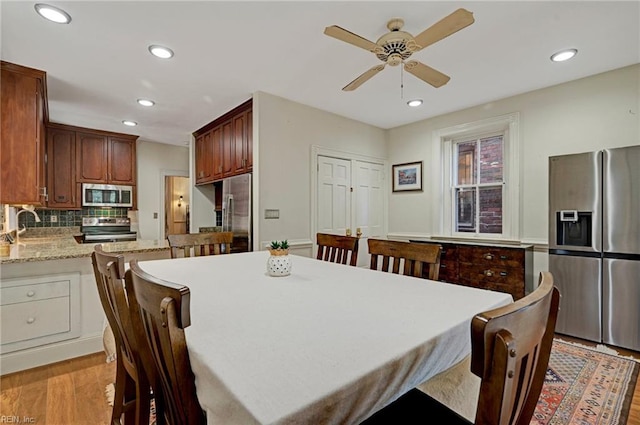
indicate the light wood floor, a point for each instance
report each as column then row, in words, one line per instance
column 66, row 393
column 72, row 392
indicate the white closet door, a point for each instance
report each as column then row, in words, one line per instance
column 334, row 195
column 369, row 205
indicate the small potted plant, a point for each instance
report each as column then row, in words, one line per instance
column 279, row 262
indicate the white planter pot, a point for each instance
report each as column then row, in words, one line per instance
column 279, row 265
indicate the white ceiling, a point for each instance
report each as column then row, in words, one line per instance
column 98, row 65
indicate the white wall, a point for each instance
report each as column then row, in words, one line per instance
column 155, row 160
column 284, row 132
column 583, row 115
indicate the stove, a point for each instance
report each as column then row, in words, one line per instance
column 106, row 229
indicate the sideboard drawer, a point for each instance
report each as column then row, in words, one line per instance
column 28, row 293
column 35, row 319
column 498, row 257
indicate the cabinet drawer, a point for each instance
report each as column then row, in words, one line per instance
column 448, row 271
column 34, row 319
column 28, row 293
column 490, row 256
column 494, row 278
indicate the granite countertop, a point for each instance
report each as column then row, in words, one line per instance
column 61, row 246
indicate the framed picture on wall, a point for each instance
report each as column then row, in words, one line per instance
column 407, row 177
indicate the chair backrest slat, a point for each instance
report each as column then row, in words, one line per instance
column 511, row 346
column 337, row 249
column 198, row 244
column 416, row 258
column 164, row 311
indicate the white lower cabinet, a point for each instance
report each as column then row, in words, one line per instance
column 39, row 310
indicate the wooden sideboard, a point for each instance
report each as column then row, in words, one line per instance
column 504, row 268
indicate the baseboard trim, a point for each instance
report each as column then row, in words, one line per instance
column 51, row 353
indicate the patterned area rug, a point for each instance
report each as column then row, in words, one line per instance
column 586, row 386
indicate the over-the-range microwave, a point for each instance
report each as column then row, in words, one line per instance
column 106, row 195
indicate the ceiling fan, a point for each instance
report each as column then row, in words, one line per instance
column 396, row 46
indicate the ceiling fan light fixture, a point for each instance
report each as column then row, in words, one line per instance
column 161, row 51
column 146, row 102
column 414, row 103
column 564, row 55
column 129, row 123
column 52, row 13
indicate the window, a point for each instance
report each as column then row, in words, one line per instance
column 480, row 179
column 477, row 184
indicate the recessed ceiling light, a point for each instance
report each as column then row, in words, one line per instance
column 414, row 103
column 53, row 14
column 129, row 123
column 564, row 55
column 161, row 51
column 146, row 102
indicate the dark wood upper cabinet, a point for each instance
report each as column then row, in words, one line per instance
column 24, row 112
column 92, row 158
column 204, row 165
column 229, row 150
column 103, row 157
column 122, row 161
column 216, row 136
column 61, row 169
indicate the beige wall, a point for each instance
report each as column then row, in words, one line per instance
column 154, row 161
column 583, row 115
column 284, row 132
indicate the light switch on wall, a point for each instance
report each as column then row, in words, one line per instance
column 271, row 214
column 155, row 215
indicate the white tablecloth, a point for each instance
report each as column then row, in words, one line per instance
column 329, row 344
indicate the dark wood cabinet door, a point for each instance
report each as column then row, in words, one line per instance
column 238, row 157
column 204, row 158
column 122, row 161
column 21, row 142
column 248, row 166
column 92, row 152
column 61, row 166
column 228, row 149
column 216, row 138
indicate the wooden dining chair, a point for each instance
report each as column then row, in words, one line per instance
column 337, row 248
column 420, row 260
column 510, row 349
column 164, row 311
column 132, row 387
column 197, row 244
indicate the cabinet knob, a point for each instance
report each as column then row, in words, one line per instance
column 488, row 256
column 31, row 293
column 488, row 273
column 503, row 257
column 30, row 320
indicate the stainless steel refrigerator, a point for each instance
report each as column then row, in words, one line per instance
column 594, row 244
column 236, row 211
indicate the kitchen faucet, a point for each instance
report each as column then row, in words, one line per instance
column 25, row 208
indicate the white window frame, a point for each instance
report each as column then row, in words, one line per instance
column 446, row 137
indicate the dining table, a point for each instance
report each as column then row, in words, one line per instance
column 327, row 344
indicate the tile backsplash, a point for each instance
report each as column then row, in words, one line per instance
column 67, row 218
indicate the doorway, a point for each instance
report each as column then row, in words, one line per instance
column 176, row 205
column 350, row 197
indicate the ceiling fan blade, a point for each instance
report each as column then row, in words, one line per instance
column 448, row 25
column 349, row 37
column 365, row 76
column 426, row 73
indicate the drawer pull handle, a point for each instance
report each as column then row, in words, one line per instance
column 488, row 273
column 488, row 256
column 30, row 320
column 503, row 273
column 31, row 293
column 503, row 257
